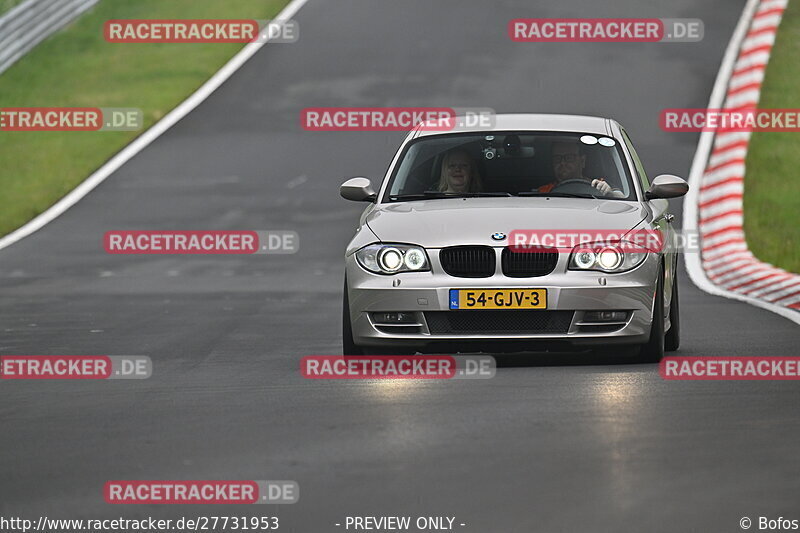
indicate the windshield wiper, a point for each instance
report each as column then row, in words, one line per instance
column 442, row 194
column 558, row 194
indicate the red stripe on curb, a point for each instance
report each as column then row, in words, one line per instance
column 724, row 254
column 716, row 245
column 721, row 231
column 781, row 279
column 717, row 254
column 756, row 50
column 721, row 215
column 721, row 199
column 728, row 147
column 768, row 12
column 756, row 270
column 786, row 297
column 751, row 281
column 790, row 285
column 760, row 31
column 734, row 179
column 710, row 264
column 732, row 265
column 717, row 278
column 709, row 170
column 743, row 108
column 745, row 70
column 743, row 88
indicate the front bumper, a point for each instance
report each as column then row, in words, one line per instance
column 571, row 293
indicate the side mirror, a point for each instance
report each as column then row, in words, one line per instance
column 358, row 190
column 667, row 186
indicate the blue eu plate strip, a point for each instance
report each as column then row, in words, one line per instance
column 453, row 298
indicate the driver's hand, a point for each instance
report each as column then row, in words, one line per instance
column 601, row 186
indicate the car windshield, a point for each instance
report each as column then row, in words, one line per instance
column 509, row 164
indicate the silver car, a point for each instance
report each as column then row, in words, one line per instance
column 523, row 236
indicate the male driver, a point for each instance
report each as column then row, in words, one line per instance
column 568, row 164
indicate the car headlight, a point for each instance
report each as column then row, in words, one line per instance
column 608, row 257
column 393, row 258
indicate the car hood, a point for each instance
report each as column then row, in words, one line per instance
column 447, row 222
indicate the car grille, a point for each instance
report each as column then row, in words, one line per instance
column 529, row 264
column 468, row 261
column 498, row 321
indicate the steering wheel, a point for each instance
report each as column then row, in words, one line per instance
column 576, row 186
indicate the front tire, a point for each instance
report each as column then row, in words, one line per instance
column 672, row 341
column 348, row 346
column 653, row 350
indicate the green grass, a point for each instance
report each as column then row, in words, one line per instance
column 5, row 5
column 772, row 183
column 78, row 68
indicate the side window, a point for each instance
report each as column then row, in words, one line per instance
column 636, row 162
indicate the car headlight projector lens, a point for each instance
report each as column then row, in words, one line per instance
column 390, row 259
column 393, row 258
column 584, row 259
column 414, row 259
column 607, row 257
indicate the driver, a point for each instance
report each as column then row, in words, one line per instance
column 459, row 173
column 568, row 164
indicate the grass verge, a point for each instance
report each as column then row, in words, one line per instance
column 772, row 184
column 5, row 5
column 78, row 68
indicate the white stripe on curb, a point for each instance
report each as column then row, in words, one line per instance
column 778, row 285
column 150, row 135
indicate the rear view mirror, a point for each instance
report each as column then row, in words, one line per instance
column 358, row 190
column 667, row 186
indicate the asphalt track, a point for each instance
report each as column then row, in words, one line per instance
column 547, row 445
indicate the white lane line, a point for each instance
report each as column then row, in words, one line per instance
column 150, row 135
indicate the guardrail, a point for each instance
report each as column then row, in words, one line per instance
column 31, row 22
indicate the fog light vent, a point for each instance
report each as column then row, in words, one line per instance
column 394, row 318
column 605, row 316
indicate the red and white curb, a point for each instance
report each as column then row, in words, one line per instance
column 725, row 265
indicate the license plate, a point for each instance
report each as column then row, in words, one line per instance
column 498, row 298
